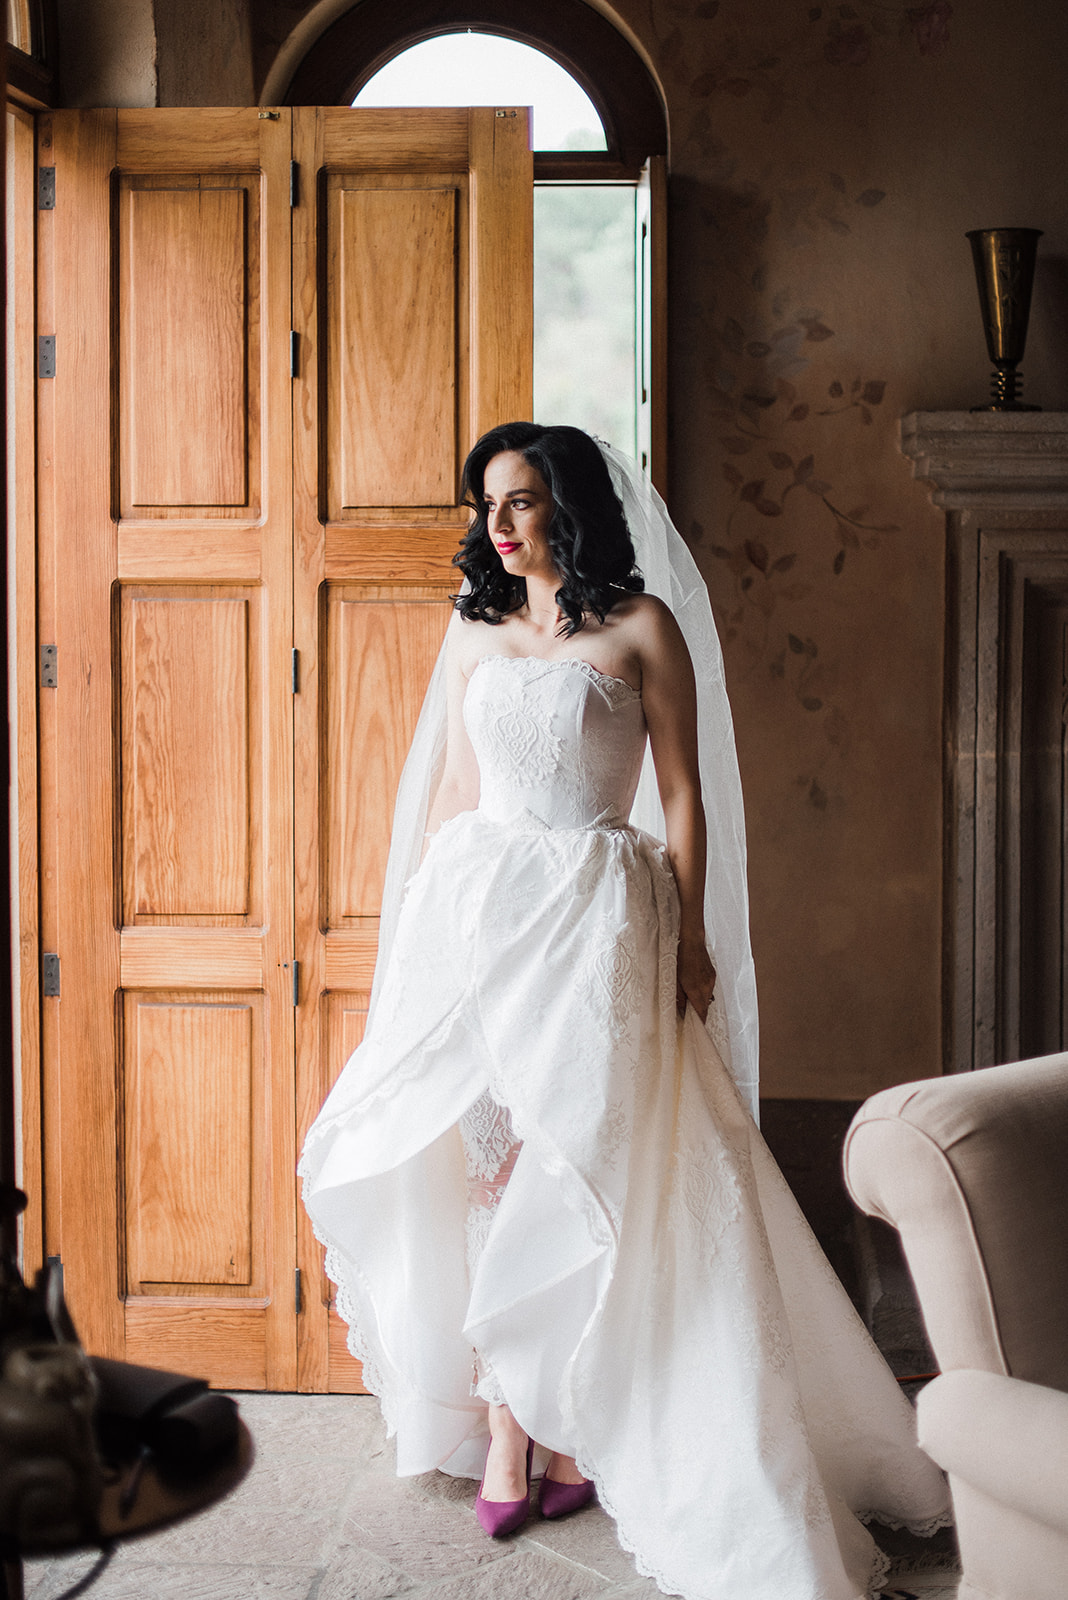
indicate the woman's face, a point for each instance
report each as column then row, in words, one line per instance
column 519, row 509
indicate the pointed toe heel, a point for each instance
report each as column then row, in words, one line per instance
column 501, row 1517
column 560, row 1499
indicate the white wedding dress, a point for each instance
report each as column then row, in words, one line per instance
column 535, row 1184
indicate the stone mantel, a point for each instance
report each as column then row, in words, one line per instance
column 1002, row 478
column 979, row 459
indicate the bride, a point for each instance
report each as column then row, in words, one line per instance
column 545, row 1204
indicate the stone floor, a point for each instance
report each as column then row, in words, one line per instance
column 321, row 1516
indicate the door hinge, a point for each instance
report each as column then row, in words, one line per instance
column 46, row 188
column 298, row 1294
column 46, row 355
column 294, row 183
column 49, row 666
column 50, row 975
column 294, row 352
column 296, row 671
column 296, row 983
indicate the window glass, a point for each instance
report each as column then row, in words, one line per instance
column 584, row 311
column 484, row 69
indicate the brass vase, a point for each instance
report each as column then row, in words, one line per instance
column 1005, row 271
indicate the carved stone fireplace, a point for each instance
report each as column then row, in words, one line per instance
column 1003, row 480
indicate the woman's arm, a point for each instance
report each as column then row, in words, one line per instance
column 669, row 699
column 458, row 788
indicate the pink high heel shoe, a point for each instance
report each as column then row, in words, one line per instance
column 499, row 1517
column 560, row 1499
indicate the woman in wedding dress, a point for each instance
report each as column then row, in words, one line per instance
column 546, row 1205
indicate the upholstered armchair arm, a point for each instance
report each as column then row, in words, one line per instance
column 1002, row 1436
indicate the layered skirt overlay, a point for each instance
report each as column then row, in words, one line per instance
column 537, row 1186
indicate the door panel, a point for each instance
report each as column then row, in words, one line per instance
column 188, row 343
column 391, row 347
column 222, row 807
column 194, row 1072
column 192, row 783
column 381, row 645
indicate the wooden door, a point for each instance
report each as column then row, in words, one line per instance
column 406, row 357
column 249, row 449
column 169, row 1050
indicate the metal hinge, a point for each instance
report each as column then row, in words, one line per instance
column 46, row 355
column 50, row 975
column 296, row 671
column 296, row 983
column 46, row 188
column 294, row 183
column 298, row 1294
column 294, row 352
column 49, row 666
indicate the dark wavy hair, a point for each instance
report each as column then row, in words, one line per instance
column 588, row 534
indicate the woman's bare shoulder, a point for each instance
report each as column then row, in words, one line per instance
column 468, row 641
column 645, row 618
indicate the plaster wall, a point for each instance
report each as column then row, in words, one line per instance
column 826, row 161
column 107, row 53
column 204, row 52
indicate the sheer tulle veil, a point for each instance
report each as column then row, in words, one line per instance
column 671, row 573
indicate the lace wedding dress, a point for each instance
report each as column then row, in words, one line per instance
column 535, row 1185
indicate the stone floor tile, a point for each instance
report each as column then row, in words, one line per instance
column 184, row 1581
column 527, row 1576
column 421, row 1536
column 361, row 1575
column 315, row 1425
column 44, row 1578
column 440, row 1486
column 237, row 1535
column 588, row 1537
column 297, row 1486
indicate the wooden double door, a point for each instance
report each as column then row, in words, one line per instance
column 276, row 334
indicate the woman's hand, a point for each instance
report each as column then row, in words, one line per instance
column 696, row 977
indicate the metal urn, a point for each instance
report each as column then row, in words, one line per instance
column 1005, row 271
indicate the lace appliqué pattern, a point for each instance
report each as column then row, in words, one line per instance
column 491, row 1150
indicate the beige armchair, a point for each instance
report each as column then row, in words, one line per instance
column 973, row 1172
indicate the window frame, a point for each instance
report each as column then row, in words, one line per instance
column 31, row 74
column 351, row 50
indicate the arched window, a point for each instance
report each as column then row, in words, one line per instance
column 478, row 68
column 599, row 248
column 348, row 53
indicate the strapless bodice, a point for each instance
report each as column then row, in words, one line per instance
column 556, row 741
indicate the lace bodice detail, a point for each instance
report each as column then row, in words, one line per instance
column 556, row 741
